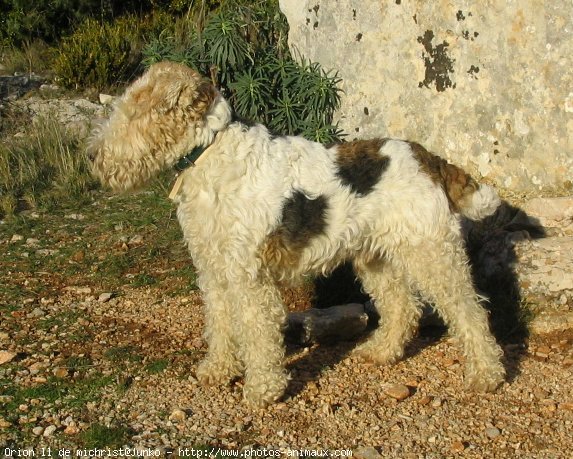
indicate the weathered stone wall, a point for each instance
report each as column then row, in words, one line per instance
column 487, row 84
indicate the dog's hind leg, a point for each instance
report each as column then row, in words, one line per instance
column 221, row 363
column 259, row 318
column 440, row 270
column 399, row 311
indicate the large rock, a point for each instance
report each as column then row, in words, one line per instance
column 337, row 323
column 486, row 84
column 77, row 115
column 12, row 87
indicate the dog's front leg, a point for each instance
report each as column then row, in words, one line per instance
column 221, row 364
column 259, row 317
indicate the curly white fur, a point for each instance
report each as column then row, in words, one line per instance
column 240, row 209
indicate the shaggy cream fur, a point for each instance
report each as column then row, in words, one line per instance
column 258, row 209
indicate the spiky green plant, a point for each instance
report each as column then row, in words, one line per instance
column 226, row 46
column 252, row 90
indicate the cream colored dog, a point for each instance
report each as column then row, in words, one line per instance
column 258, row 209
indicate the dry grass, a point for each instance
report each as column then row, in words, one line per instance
column 42, row 168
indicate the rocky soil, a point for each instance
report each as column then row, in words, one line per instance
column 92, row 362
column 417, row 408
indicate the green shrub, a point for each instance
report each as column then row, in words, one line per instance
column 103, row 55
column 48, row 20
column 98, row 55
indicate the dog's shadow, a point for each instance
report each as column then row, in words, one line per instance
column 490, row 247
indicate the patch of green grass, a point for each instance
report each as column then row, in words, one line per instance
column 115, row 265
column 101, row 436
column 143, row 280
column 59, row 319
column 45, row 168
column 69, row 393
column 77, row 363
column 8, row 308
column 157, row 366
column 121, row 354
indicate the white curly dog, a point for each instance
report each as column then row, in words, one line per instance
column 257, row 210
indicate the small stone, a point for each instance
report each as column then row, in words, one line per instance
column 61, row 372
column 4, row 424
column 38, row 431
column 75, row 216
column 71, row 430
column 47, row 87
column 37, row 312
column 436, row 403
column 79, row 290
column 136, row 240
column 458, row 446
column 6, row 357
column 548, row 404
column 177, row 415
column 425, row 400
column 397, row 391
column 16, row 238
column 544, row 350
column 32, row 242
column 105, row 99
column 413, row 383
column 492, row 432
column 366, row 452
column 78, row 256
column 540, row 356
column 448, row 362
column 567, row 361
column 105, row 297
column 48, row 431
column 36, row 367
column 47, row 252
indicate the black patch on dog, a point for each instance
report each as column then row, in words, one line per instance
column 302, row 219
column 360, row 164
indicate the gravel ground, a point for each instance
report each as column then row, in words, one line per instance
column 416, row 408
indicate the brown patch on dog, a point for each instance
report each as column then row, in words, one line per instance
column 360, row 164
column 302, row 220
column 456, row 183
column 202, row 101
column 175, row 87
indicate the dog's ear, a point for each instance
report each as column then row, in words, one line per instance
column 155, row 91
column 201, row 101
column 166, row 87
column 196, row 100
column 172, row 94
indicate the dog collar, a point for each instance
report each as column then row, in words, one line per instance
column 189, row 159
column 185, row 162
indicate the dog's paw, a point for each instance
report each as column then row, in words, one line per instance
column 211, row 373
column 487, row 380
column 262, row 390
column 373, row 354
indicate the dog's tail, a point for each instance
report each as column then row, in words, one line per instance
column 479, row 203
column 465, row 195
